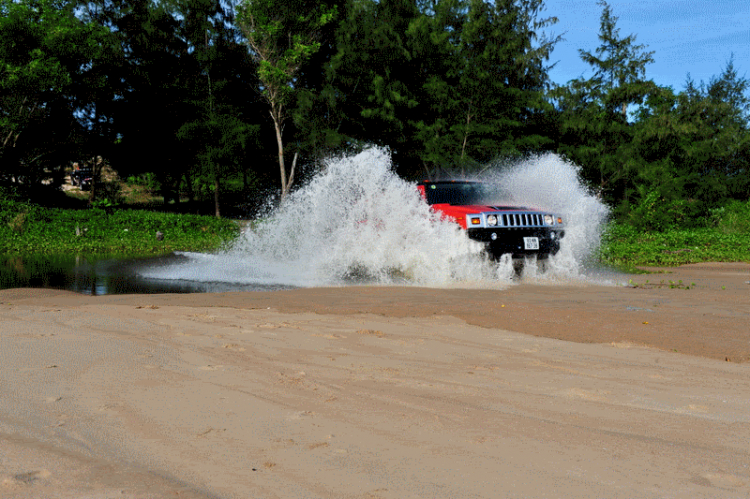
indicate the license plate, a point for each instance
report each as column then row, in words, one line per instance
column 531, row 243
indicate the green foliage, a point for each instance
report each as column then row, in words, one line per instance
column 168, row 92
column 282, row 36
column 697, row 144
column 27, row 228
column 485, row 95
column 653, row 212
column 596, row 132
column 733, row 218
column 46, row 55
column 661, row 159
column 147, row 180
column 624, row 246
column 449, row 84
column 619, row 66
column 222, row 139
column 367, row 78
column 105, row 204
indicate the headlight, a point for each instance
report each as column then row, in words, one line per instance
column 492, row 220
column 548, row 220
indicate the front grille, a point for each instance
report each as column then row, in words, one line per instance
column 523, row 220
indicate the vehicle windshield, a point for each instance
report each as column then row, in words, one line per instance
column 461, row 193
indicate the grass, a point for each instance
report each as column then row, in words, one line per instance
column 625, row 248
column 724, row 237
column 28, row 228
column 663, row 284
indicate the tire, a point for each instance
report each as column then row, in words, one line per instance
column 518, row 266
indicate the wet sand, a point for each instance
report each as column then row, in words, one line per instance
column 575, row 390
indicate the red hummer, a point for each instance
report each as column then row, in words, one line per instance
column 506, row 230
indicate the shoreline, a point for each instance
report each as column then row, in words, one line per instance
column 650, row 312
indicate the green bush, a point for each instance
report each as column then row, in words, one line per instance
column 625, row 246
column 27, row 228
column 654, row 212
column 734, row 218
column 147, row 180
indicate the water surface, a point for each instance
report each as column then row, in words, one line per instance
column 107, row 275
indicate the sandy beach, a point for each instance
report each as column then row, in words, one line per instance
column 573, row 391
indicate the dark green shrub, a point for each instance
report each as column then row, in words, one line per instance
column 655, row 212
column 734, row 218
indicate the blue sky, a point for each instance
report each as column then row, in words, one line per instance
column 695, row 36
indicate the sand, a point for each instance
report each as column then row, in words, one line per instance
column 577, row 390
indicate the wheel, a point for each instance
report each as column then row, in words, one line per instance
column 542, row 266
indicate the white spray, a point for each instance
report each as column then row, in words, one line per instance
column 551, row 183
column 358, row 222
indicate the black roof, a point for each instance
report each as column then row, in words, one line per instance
column 447, row 182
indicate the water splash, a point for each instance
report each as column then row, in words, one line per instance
column 551, row 183
column 357, row 222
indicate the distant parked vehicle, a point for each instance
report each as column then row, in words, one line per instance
column 82, row 178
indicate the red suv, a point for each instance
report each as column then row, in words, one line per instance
column 505, row 229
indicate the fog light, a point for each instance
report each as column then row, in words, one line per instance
column 493, row 236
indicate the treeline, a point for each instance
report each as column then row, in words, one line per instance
column 209, row 93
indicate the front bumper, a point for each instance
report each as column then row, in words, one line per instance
column 510, row 241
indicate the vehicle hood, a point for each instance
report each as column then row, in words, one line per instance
column 478, row 208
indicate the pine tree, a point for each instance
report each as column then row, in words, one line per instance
column 596, row 132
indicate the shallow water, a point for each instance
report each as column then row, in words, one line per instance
column 102, row 275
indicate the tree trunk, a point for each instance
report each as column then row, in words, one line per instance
column 429, row 175
column 466, row 138
column 94, row 182
column 291, row 172
column 189, row 187
column 216, row 197
column 282, row 166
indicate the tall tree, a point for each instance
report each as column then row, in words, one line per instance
column 218, row 127
column 46, row 56
column 221, row 139
column 729, row 161
column 487, row 102
column 596, row 132
column 441, row 82
column 695, row 148
column 153, row 88
column 619, row 66
column 281, row 37
column 368, row 95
